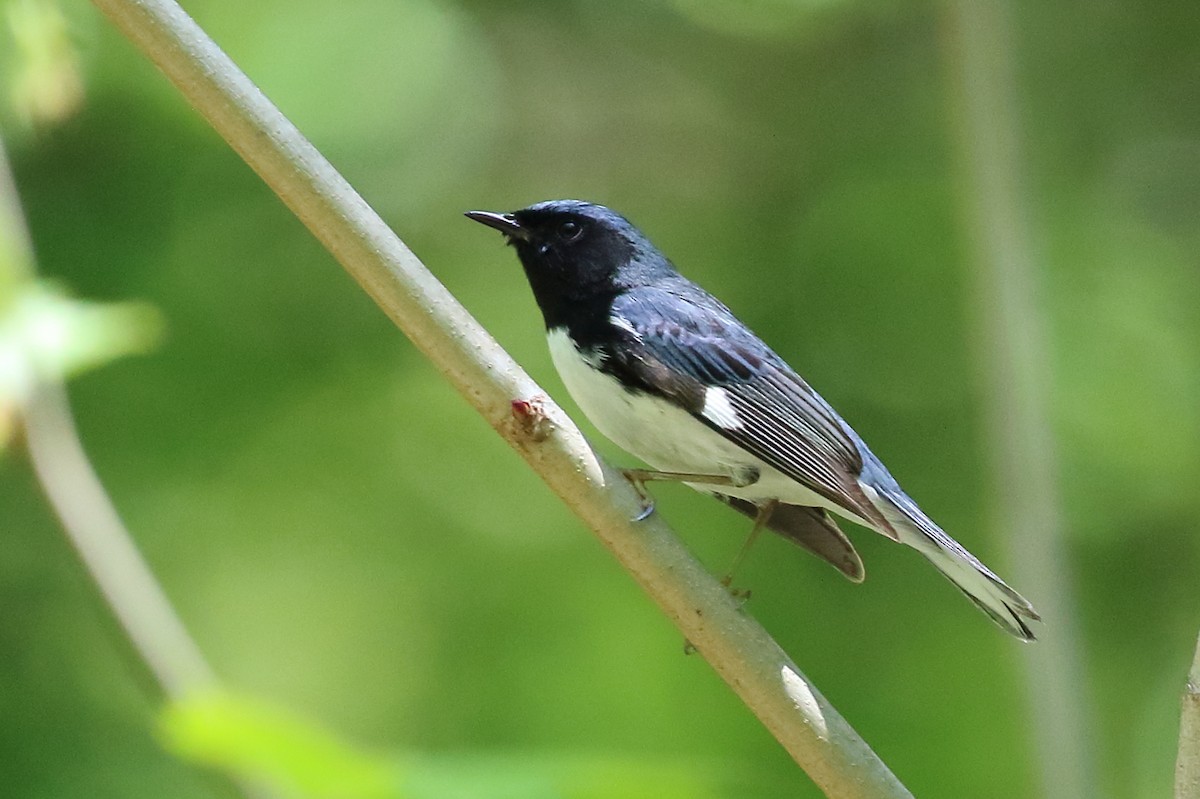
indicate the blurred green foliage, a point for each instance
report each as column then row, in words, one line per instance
column 268, row 746
column 44, row 333
column 348, row 540
column 44, row 85
column 271, row 748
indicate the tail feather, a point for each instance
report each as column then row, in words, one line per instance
column 988, row 592
column 980, row 584
column 811, row 528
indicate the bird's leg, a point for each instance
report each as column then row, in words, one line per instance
column 639, row 478
column 760, row 521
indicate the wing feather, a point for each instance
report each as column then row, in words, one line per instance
column 783, row 422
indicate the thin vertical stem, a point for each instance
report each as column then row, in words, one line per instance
column 1187, row 765
column 87, row 514
column 106, row 548
column 88, row 517
column 16, row 249
column 1026, row 510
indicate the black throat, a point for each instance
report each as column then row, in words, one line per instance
column 585, row 320
column 570, row 306
column 578, row 294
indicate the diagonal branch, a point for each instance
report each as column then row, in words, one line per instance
column 739, row 649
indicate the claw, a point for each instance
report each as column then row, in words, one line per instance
column 632, row 475
column 646, row 512
column 741, row 595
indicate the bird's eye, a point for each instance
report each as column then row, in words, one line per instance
column 570, row 231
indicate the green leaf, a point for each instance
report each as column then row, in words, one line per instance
column 46, row 334
column 48, row 84
column 254, row 740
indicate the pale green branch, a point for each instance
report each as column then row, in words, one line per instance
column 1014, row 367
column 79, row 500
column 105, row 546
column 87, row 515
column 1187, row 765
column 743, row 654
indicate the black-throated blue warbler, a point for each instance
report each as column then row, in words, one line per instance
column 667, row 372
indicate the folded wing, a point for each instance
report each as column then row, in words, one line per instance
column 776, row 416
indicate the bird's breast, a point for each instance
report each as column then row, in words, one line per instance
column 659, row 432
column 655, row 430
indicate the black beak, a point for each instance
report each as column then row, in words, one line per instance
column 505, row 223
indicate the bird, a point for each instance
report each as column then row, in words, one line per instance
column 667, row 372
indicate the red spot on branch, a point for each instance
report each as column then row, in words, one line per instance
column 530, row 416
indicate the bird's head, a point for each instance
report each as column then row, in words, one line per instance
column 575, row 251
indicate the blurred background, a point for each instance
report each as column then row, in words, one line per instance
column 352, row 546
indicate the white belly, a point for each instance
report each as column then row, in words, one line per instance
column 666, row 437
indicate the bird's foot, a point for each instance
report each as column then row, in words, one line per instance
column 760, row 521
column 646, row 511
column 637, row 478
column 740, row 594
column 743, row 476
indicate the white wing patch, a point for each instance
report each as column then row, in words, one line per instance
column 718, row 410
column 618, row 321
column 666, row 436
